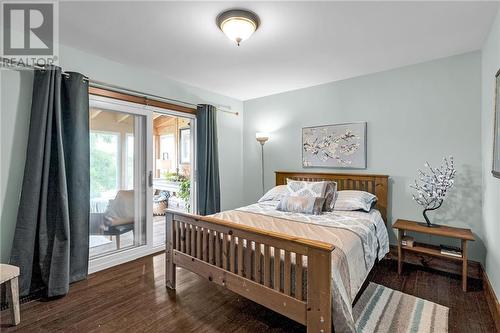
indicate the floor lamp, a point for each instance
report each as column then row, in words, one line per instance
column 262, row 138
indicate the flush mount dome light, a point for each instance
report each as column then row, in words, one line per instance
column 238, row 24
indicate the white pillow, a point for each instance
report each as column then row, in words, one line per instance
column 354, row 200
column 121, row 209
column 274, row 194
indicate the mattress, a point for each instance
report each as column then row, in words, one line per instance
column 360, row 238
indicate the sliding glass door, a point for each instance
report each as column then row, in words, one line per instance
column 141, row 163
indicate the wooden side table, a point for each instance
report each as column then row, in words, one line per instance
column 437, row 230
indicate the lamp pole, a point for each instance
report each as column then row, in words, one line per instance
column 262, row 138
column 262, row 164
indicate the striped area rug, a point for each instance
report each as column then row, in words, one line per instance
column 381, row 310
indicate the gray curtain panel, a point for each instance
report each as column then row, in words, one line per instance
column 207, row 160
column 52, row 231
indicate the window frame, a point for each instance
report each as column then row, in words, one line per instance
column 181, row 150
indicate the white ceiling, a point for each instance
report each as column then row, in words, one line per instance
column 298, row 44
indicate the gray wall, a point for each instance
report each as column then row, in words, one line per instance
column 16, row 88
column 15, row 102
column 416, row 113
column 491, row 185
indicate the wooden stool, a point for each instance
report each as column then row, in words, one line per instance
column 9, row 274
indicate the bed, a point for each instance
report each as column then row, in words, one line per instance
column 308, row 268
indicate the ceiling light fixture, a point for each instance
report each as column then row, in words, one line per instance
column 238, row 24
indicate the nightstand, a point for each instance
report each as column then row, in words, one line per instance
column 436, row 230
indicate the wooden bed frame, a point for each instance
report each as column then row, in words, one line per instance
column 209, row 247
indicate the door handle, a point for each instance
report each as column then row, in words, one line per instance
column 150, row 178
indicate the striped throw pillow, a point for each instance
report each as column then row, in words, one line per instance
column 330, row 196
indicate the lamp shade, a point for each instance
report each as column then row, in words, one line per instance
column 262, row 137
column 163, row 164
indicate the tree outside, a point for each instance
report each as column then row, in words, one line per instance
column 103, row 163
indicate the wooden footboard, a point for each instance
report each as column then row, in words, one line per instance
column 241, row 259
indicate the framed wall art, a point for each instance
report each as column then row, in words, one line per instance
column 335, row 146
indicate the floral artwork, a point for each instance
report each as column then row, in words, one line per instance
column 335, row 146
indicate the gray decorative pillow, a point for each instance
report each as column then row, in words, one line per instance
column 330, row 196
column 354, row 200
column 304, row 205
column 298, row 188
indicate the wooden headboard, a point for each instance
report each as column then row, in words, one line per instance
column 376, row 184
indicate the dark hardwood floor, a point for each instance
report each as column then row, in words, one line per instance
column 132, row 298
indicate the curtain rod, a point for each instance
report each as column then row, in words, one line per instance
column 9, row 63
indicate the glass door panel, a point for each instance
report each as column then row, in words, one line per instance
column 118, row 186
column 173, row 166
